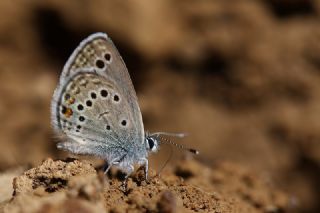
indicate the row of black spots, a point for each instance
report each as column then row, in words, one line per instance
column 89, row 103
column 104, row 94
column 93, row 96
column 66, row 124
column 123, row 123
column 80, row 106
column 100, row 63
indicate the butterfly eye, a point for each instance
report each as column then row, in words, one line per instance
column 100, row 64
column 152, row 144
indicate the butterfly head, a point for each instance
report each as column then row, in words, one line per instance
column 154, row 140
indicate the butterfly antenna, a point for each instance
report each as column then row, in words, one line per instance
column 178, row 135
column 164, row 140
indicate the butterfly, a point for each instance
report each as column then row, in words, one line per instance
column 95, row 110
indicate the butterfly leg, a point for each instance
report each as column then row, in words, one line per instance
column 109, row 165
column 144, row 162
column 129, row 169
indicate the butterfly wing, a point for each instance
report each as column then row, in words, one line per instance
column 95, row 104
column 98, row 52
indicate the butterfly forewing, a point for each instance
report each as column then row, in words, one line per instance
column 98, row 52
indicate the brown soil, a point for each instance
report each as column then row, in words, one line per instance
column 72, row 186
column 241, row 77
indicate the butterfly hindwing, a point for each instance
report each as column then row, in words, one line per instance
column 95, row 102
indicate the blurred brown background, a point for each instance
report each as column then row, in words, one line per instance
column 241, row 77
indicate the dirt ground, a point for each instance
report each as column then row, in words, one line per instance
column 241, row 77
column 72, row 186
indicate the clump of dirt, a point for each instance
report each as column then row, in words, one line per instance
column 241, row 77
column 72, row 185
